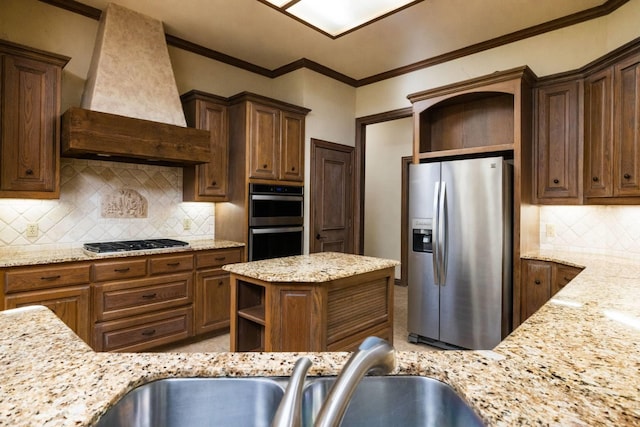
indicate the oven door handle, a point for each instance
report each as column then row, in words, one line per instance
column 275, row 230
column 277, row 197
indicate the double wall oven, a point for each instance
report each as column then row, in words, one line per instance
column 275, row 221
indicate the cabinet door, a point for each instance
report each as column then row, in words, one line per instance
column 264, row 141
column 558, row 142
column 561, row 275
column 70, row 304
column 29, row 163
column 536, row 287
column 209, row 182
column 626, row 170
column 598, row 137
column 212, row 301
column 292, row 147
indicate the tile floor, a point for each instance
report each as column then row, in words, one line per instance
column 221, row 342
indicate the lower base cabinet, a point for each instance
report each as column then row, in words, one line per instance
column 70, row 304
column 134, row 303
column 541, row 281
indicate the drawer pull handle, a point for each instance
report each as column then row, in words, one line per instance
column 567, row 279
column 50, row 277
column 149, row 332
column 122, row 270
column 537, row 281
column 173, row 264
column 221, row 258
column 149, row 296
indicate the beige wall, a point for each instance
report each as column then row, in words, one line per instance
column 387, row 143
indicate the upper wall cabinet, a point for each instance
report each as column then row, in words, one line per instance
column 591, row 147
column 208, row 182
column 557, row 137
column 273, row 133
column 477, row 116
column 29, row 122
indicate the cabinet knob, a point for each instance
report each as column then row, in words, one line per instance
column 537, row 281
column 29, row 171
column 556, row 181
column 595, row 179
column 264, row 166
column 627, row 176
column 293, row 168
column 214, row 183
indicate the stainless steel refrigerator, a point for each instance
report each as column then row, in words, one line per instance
column 460, row 252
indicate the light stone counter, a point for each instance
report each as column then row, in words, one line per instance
column 314, row 268
column 574, row 362
column 14, row 258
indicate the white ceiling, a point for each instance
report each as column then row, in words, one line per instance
column 254, row 32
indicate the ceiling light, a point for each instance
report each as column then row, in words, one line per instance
column 336, row 18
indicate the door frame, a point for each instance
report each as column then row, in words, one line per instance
column 358, row 195
column 315, row 144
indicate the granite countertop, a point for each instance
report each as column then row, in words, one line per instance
column 314, row 268
column 15, row 258
column 574, row 362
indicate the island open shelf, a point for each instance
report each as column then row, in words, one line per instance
column 318, row 302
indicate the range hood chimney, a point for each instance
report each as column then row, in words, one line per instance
column 131, row 108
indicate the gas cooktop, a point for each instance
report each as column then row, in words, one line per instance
column 133, row 245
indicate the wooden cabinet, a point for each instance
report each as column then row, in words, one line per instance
column 557, row 142
column 63, row 288
column 276, row 144
column 540, row 281
column 131, row 303
column 326, row 316
column 626, row 135
column 612, row 134
column 208, row 182
column 598, row 134
column 29, row 125
column 212, row 293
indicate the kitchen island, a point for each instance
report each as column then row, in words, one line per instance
column 320, row 302
column 573, row 362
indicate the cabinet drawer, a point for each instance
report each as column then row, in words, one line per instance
column 171, row 264
column 562, row 274
column 51, row 276
column 115, row 270
column 144, row 332
column 128, row 298
column 218, row 258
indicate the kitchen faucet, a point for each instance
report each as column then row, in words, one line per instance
column 375, row 356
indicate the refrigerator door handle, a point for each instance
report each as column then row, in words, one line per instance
column 435, row 238
column 442, row 234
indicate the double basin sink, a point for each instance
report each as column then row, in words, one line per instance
column 377, row 401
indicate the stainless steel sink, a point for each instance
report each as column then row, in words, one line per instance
column 197, row 402
column 394, row 401
column 378, row 401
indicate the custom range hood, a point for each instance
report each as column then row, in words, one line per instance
column 131, row 110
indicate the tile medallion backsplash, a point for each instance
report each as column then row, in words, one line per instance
column 595, row 229
column 102, row 201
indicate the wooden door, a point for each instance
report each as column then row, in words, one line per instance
column 626, row 169
column 331, row 197
column 557, row 142
column 598, row 136
column 292, row 147
column 264, row 141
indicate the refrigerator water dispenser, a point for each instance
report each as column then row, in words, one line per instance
column 422, row 234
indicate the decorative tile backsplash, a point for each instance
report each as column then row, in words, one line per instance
column 595, row 229
column 77, row 217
